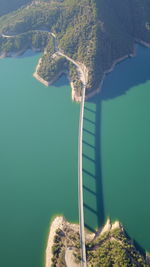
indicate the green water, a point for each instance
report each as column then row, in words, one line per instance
column 117, row 150
column 38, row 161
column 38, row 156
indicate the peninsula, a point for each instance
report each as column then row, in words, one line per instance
column 95, row 34
column 110, row 246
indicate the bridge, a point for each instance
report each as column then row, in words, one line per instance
column 80, row 182
column 83, row 75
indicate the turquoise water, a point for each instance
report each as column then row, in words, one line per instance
column 38, row 156
column 38, row 160
column 117, row 149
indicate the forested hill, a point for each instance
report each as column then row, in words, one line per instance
column 93, row 32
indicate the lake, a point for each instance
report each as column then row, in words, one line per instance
column 38, row 160
column 38, row 156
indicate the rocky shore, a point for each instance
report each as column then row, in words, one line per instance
column 108, row 244
column 77, row 98
column 48, row 83
column 71, row 231
column 61, row 224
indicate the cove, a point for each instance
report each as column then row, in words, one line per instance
column 38, row 160
column 117, row 149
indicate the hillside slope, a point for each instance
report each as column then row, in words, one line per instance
column 96, row 33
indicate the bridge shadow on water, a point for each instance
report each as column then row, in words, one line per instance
column 92, row 172
column 118, row 83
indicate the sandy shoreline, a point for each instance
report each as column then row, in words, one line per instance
column 48, row 83
column 60, row 223
column 57, row 223
column 38, row 77
column 2, row 55
column 74, row 97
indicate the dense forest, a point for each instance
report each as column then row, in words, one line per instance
column 93, row 32
column 115, row 248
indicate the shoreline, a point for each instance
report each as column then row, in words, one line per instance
column 89, row 94
column 2, row 55
column 38, row 77
column 82, row 72
column 117, row 61
column 19, row 53
column 47, row 83
column 81, row 69
column 59, row 222
column 74, row 97
column 67, row 229
column 13, row 54
column 56, row 223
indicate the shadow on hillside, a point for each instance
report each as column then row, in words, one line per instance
column 136, row 244
column 28, row 53
column 127, row 75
